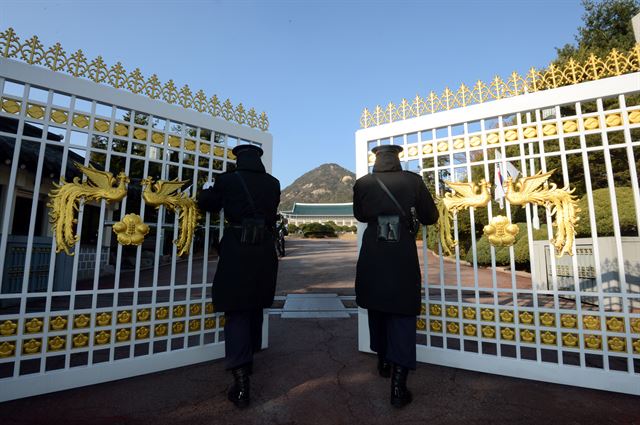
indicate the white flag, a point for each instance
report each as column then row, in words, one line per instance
column 498, row 181
column 512, row 171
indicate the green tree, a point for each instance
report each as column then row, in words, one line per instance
column 606, row 25
column 333, row 225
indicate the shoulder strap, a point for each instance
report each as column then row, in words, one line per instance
column 246, row 191
column 393, row 198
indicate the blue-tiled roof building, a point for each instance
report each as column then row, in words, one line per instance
column 341, row 214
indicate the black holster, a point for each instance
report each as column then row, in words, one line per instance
column 253, row 230
column 388, row 228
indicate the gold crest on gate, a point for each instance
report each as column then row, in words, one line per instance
column 500, row 232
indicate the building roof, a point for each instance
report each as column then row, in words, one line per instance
column 30, row 151
column 322, row 209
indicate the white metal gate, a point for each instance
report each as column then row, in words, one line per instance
column 128, row 301
column 523, row 309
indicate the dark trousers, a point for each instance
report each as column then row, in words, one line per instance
column 393, row 336
column 243, row 336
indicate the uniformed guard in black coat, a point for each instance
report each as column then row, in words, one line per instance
column 388, row 279
column 245, row 280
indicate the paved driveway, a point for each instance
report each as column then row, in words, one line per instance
column 318, row 265
column 329, row 265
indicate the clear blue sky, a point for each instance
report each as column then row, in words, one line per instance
column 311, row 65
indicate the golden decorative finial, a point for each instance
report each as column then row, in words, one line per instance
column 33, row 52
column 573, row 72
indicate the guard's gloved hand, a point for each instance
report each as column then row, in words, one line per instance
column 206, row 197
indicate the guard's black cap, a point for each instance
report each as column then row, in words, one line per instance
column 247, row 148
column 387, row 148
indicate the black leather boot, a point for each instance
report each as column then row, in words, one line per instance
column 239, row 392
column 384, row 367
column 400, row 395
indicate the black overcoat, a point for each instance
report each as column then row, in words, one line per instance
column 246, row 275
column 388, row 273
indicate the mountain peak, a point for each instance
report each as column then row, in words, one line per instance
column 327, row 183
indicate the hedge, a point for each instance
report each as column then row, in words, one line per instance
column 521, row 249
column 318, row 230
column 602, row 209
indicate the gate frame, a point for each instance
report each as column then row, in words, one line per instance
column 625, row 382
column 66, row 378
